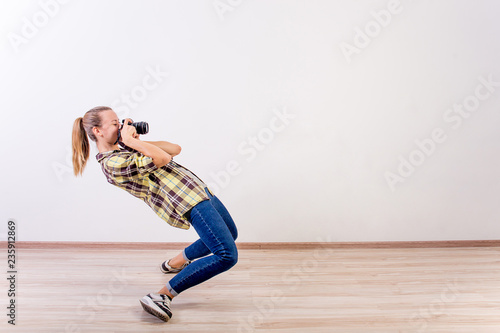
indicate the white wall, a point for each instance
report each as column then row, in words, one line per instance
column 321, row 173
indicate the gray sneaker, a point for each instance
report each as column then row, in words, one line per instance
column 158, row 305
column 166, row 268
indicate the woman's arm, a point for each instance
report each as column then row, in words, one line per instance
column 171, row 148
column 130, row 138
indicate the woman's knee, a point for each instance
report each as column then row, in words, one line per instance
column 234, row 233
column 229, row 257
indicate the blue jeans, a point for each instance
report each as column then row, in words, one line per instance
column 217, row 232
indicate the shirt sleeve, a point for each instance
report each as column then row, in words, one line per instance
column 128, row 166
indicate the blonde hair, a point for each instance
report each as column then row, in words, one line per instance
column 82, row 127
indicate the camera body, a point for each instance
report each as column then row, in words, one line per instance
column 141, row 127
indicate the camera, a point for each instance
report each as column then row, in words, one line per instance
column 141, row 127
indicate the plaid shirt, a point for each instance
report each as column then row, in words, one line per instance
column 170, row 190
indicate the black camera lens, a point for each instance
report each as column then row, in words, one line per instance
column 141, row 127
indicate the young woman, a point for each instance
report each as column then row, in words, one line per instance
column 147, row 171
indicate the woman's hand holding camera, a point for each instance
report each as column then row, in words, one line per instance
column 128, row 131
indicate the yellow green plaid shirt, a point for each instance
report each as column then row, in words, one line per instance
column 169, row 190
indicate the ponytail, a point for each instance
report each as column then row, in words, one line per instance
column 81, row 147
column 81, row 128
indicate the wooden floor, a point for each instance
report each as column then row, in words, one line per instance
column 322, row 290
